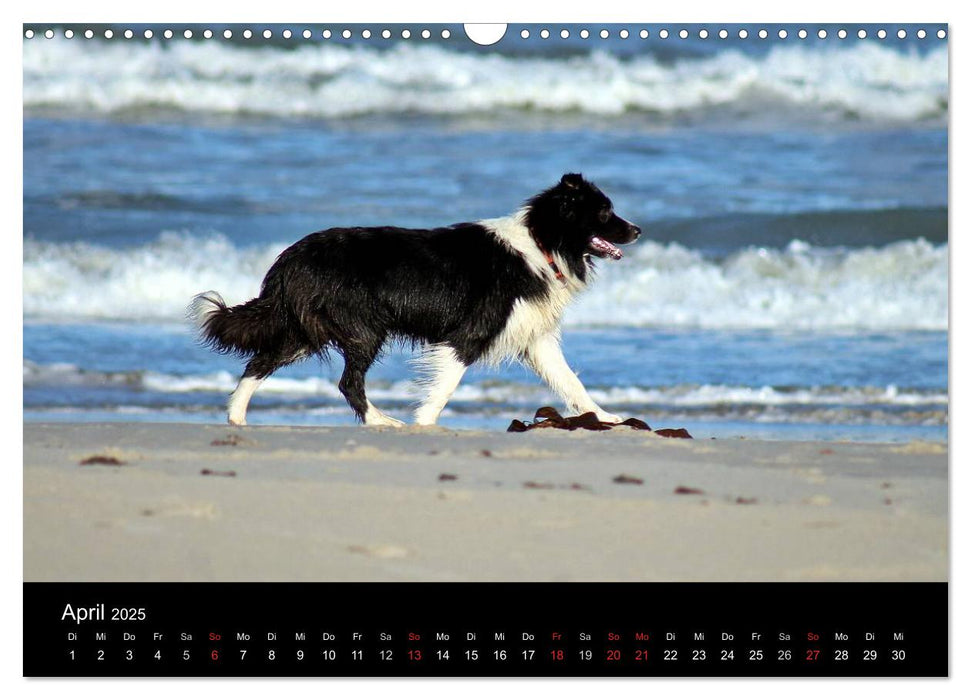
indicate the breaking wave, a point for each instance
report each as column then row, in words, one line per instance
column 862, row 81
column 899, row 286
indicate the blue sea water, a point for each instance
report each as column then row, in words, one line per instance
column 792, row 282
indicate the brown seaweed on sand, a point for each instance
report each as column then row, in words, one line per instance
column 673, row 433
column 213, row 472
column 549, row 417
column 101, row 459
column 538, row 485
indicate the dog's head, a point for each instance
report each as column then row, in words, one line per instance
column 577, row 220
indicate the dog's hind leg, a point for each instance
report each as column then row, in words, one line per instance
column 357, row 361
column 443, row 371
column 239, row 399
column 545, row 357
column 257, row 369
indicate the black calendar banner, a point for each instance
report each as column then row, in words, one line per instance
column 485, row 629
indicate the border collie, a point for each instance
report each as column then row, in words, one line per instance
column 474, row 292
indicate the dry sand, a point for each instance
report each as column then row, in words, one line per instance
column 355, row 504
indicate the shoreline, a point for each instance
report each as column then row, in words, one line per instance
column 191, row 502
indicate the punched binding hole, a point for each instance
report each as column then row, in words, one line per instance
column 486, row 34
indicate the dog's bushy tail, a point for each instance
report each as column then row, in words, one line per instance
column 244, row 330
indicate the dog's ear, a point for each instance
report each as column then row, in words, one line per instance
column 566, row 195
column 572, row 180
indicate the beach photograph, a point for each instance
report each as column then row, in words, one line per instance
column 777, row 329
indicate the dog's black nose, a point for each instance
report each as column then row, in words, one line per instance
column 635, row 232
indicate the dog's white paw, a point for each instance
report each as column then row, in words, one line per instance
column 386, row 421
column 379, row 419
column 605, row 417
column 375, row 417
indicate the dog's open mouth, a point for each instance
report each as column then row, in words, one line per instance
column 602, row 249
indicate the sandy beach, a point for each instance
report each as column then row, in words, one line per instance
column 212, row 503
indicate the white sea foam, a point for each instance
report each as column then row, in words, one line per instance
column 902, row 285
column 899, row 286
column 684, row 395
column 865, row 80
column 154, row 281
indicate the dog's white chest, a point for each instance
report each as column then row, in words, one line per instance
column 528, row 321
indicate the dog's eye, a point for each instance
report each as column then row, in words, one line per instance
column 605, row 216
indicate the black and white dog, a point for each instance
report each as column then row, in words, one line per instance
column 474, row 292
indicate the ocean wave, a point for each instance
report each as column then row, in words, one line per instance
column 684, row 396
column 81, row 280
column 863, row 81
column 899, row 286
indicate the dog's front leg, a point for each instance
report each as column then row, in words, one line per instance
column 442, row 372
column 545, row 357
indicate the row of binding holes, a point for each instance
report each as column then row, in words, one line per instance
column 724, row 34
column 445, row 34
column 246, row 34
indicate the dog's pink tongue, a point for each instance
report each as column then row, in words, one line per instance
column 602, row 246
